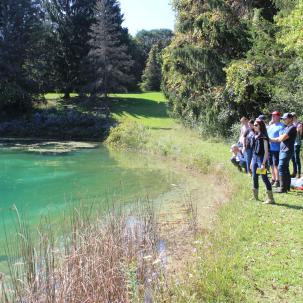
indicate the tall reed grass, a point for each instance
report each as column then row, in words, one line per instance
column 107, row 258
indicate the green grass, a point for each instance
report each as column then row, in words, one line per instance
column 147, row 108
column 255, row 252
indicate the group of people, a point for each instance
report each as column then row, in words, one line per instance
column 263, row 147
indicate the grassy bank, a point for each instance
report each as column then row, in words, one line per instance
column 254, row 253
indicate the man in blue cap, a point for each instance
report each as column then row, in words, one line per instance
column 287, row 141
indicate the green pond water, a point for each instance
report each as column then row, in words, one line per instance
column 46, row 178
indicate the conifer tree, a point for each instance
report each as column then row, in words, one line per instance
column 109, row 62
column 151, row 78
column 72, row 20
column 20, row 23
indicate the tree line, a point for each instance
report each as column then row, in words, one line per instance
column 71, row 46
column 231, row 58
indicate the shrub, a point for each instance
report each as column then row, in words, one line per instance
column 56, row 124
column 127, row 135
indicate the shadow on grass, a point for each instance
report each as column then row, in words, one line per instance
column 297, row 207
column 161, row 128
column 139, row 107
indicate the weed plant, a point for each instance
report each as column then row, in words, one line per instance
column 106, row 258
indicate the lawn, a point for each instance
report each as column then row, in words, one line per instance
column 149, row 109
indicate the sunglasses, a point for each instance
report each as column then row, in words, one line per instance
column 256, row 124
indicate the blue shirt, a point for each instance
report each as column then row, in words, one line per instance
column 274, row 131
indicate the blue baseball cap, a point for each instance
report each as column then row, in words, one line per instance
column 287, row 115
column 261, row 117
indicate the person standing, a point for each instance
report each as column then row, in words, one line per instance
column 248, row 144
column 244, row 127
column 296, row 156
column 287, row 141
column 274, row 131
column 259, row 159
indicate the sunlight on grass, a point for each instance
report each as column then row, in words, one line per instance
column 148, row 109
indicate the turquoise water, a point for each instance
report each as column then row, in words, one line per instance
column 40, row 183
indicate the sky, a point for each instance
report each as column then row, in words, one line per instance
column 147, row 14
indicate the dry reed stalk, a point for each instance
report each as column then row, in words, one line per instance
column 109, row 259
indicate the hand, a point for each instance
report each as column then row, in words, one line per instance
column 262, row 166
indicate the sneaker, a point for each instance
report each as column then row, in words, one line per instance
column 272, row 182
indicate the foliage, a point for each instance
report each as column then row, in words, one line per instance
column 209, row 36
column 231, row 58
column 71, row 21
column 20, row 24
column 128, row 135
column 140, row 47
column 151, row 78
column 56, row 124
column 108, row 61
column 291, row 34
column 147, row 39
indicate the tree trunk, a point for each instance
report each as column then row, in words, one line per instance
column 66, row 95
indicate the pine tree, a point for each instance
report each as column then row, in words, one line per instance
column 71, row 20
column 109, row 62
column 20, row 23
column 151, row 78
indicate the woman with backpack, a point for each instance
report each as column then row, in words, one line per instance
column 259, row 160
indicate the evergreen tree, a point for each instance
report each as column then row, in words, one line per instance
column 71, row 20
column 109, row 62
column 138, row 56
column 151, row 78
column 20, row 25
column 142, row 44
column 147, row 39
column 209, row 34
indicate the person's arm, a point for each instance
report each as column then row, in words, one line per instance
column 300, row 129
column 280, row 138
column 266, row 153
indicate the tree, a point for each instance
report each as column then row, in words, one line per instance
column 20, row 25
column 209, row 35
column 71, row 21
column 141, row 46
column 109, row 62
column 291, row 34
column 147, row 39
column 151, row 78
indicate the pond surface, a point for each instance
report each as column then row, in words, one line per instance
column 43, row 178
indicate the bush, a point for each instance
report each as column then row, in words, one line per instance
column 56, row 124
column 128, row 135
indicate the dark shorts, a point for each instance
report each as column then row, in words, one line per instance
column 273, row 158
